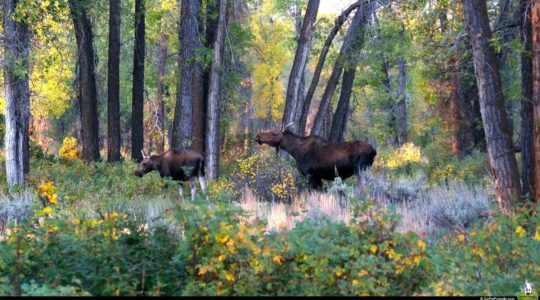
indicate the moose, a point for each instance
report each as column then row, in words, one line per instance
column 179, row 165
column 317, row 158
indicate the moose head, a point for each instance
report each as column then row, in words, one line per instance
column 146, row 165
column 272, row 137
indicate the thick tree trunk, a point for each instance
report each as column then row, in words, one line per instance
column 354, row 36
column 320, row 63
column 293, row 96
column 465, row 94
column 190, row 76
column 527, row 129
column 17, row 112
column 401, row 107
column 113, row 83
column 87, row 81
column 212, row 133
column 137, row 109
column 494, row 116
column 339, row 122
column 535, row 40
column 161, row 68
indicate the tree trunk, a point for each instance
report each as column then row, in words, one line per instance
column 527, row 129
column 401, row 107
column 162, row 65
column 87, row 80
column 113, row 83
column 354, row 36
column 535, row 40
column 212, row 134
column 17, row 112
column 320, row 63
column 339, row 122
column 137, row 109
column 496, row 125
column 190, row 76
column 293, row 96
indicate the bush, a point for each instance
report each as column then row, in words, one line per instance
column 269, row 177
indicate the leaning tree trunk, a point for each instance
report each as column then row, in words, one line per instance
column 16, row 87
column 87, row 80
column 496, row 125
column 293, row 96
column 320, row 63
column 113, row 83
column 137, row 109
column 190, row 75
column 339, row 122
column 212, row 133
column 527, row 129
column 535, row 40
column 354, row 36
column 161, row 68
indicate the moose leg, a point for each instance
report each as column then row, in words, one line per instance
column 181, row 191
column 202, row 182
column 193, row 188
column 315, row 183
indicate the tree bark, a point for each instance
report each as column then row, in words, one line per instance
column 137, row 108
column 113, row 83
column 16, row 86
column 190, row 76
column 339, row 121
column 535, row 40
column 401, row 107
column 212, row 133
column 527, row 129
column 87, row 80
column 496, row 124
column 354, row 36
column 320, row 63
column 162, row 65
column 293, row 96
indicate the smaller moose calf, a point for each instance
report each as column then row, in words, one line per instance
column 179, row 165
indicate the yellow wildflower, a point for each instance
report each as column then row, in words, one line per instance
column 373, row 249
column 47, row 210
column 537, row 235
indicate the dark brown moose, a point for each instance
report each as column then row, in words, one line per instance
column 179, row 165
column 317, row 158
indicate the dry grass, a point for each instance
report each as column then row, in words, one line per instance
column 434, row 210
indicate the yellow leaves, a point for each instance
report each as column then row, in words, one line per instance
column 222, row 239
column 221, row 257
column 354, row 282
column 111, row 216
column 278, row 259
column 537, row 235
column 520, row 231
column 373, row 249
column 421, row 244
column 362, row 273
column 69, row 149
column 47, row 210
column 202, row 270
column 406, row 154
column 229, row 276
column 460, row 238
column 47, row 193
column 390, row 252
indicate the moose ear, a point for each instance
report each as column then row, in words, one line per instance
column 144, row 155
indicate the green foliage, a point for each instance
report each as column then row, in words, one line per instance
column 214, row 248
column 495, row 259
